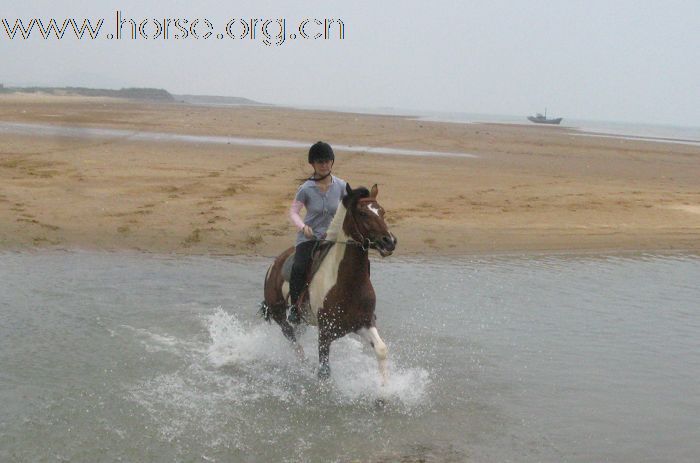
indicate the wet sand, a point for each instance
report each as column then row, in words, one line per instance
column 530, row 188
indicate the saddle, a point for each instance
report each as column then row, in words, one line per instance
column 321, row 249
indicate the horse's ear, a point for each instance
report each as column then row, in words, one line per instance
column 374, row 192
column 348, row 190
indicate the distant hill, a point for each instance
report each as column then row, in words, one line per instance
column 135, row 93
column 214, row 100
column 152, row 94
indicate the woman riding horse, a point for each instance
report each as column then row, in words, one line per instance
column 319, row 195
column 341, row 296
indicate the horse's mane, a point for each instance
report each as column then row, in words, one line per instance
column 335, row 229
column 360, row 192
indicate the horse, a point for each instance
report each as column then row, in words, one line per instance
column 341, row 299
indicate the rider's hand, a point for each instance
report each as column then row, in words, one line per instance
column 308, row 232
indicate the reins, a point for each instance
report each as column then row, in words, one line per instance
column 365, row 244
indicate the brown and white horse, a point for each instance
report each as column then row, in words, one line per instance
column 341, row 298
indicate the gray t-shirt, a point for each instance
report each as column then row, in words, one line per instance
column 320, row 207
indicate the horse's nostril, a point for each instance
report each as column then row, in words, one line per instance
column 389, row 242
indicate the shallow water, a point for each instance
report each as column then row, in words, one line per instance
column 136, row 357
column 49, row 130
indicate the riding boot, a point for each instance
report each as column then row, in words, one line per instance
column 294, row 315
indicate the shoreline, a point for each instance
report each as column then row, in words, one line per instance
column 582, row 127
column 374, row 256
column 530, row 190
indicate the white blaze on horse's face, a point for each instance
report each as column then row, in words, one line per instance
column 371, row 216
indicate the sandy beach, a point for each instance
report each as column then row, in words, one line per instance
column 529, row 188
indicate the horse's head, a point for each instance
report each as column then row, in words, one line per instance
column 364, row 221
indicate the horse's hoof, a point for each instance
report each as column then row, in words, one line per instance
column 324, row 372
column 294, row 318
column 380, row 403
column 299, row 351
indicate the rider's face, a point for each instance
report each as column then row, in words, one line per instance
column 322, row 167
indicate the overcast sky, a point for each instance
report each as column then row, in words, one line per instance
column 636, row 61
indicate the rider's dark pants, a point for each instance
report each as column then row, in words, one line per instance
column 302, row 257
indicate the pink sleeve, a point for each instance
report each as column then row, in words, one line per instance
column 294, row 214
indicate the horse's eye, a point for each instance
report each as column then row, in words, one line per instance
column 363, row 214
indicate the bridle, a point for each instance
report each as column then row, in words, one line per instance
column 364, row 242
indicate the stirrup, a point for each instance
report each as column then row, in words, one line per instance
column 294, row 316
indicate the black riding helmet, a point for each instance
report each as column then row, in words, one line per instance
column 321, row 151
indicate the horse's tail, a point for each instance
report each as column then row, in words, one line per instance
column 264, row 311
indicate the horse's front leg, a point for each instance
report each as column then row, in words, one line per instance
column 371, row 335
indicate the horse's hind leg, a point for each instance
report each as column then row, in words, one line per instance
column 324, row 352
column 279, row 315
column 371, row 335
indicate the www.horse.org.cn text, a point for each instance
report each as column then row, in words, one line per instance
column 268, row 31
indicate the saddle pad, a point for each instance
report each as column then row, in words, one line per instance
column 287, row 267
column 317, row 255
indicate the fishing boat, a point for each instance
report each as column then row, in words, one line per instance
column 542, row 119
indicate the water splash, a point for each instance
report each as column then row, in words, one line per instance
column 247, row 373
column 354, row 366
column 232, row 343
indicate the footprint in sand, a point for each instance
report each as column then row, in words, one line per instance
column 41, row 240
column 192, row 238
column 218, row 218
column 18, row 207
